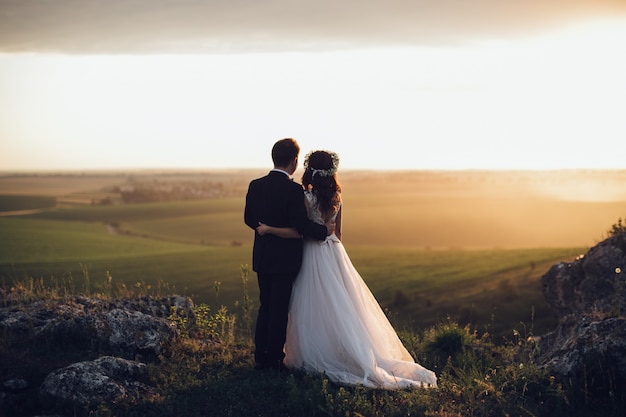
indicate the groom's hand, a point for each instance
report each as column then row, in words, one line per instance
column 262, row 229
column 330, row 227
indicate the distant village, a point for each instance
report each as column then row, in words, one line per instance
column 154, row 191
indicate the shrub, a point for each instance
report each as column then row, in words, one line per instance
column 618, row 228
column 445, row 341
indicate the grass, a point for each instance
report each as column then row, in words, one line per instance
column 214, row 229
column 464, row 313
column 495, row 290
column 209, row 372
column 29, row 240
column 25, row 202
column 144, row 211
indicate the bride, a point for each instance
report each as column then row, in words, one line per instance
column 336, row 326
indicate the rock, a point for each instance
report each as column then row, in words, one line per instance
column 14, row 385
column 588, row 296
column 133, row 332
column 124, row 327
column 121, row 332
column 12, row 395
column 104, row 380
column 592, row 284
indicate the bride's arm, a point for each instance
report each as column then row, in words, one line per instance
column 285, row 232
column 338, row 223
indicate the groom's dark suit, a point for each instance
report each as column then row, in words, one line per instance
column 276, row 201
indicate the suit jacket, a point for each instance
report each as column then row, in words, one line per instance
column 278, row 201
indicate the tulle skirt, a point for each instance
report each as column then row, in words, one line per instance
column 337, row 327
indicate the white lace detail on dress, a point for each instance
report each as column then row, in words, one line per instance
column 314, row 211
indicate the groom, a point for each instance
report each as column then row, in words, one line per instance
column 277, row 201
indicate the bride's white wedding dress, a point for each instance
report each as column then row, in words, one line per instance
column 337, row 327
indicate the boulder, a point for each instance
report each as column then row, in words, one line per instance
column 126, row 328
column 52, row 335
column 102, row 381
column 588, row 296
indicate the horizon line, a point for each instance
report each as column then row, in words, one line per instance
column 93, row 171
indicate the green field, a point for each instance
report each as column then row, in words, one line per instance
column 188, row 245
column 469, row 247
column 25, row 202
column 189, row 252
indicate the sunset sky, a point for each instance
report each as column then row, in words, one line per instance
column 396, row 84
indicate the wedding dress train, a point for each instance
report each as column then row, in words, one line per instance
column 337, row 327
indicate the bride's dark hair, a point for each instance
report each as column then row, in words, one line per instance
column 320, row 176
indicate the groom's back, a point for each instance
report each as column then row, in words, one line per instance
column 274, row 200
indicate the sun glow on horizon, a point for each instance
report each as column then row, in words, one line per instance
column 549, row 102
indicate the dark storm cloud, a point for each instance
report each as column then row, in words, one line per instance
column 192, row 26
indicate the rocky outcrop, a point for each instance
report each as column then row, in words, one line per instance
column 122, row 336
column 125, row 328
column 102, row 381
column 588, row 296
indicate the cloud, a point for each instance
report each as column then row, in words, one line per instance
column 207, row 26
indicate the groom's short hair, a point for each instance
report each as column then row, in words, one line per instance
column 284, row 151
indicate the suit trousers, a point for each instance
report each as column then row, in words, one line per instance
column 271, row 326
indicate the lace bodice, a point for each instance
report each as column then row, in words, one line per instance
column 314, row 211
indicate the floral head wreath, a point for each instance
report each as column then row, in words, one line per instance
column 323, row 172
